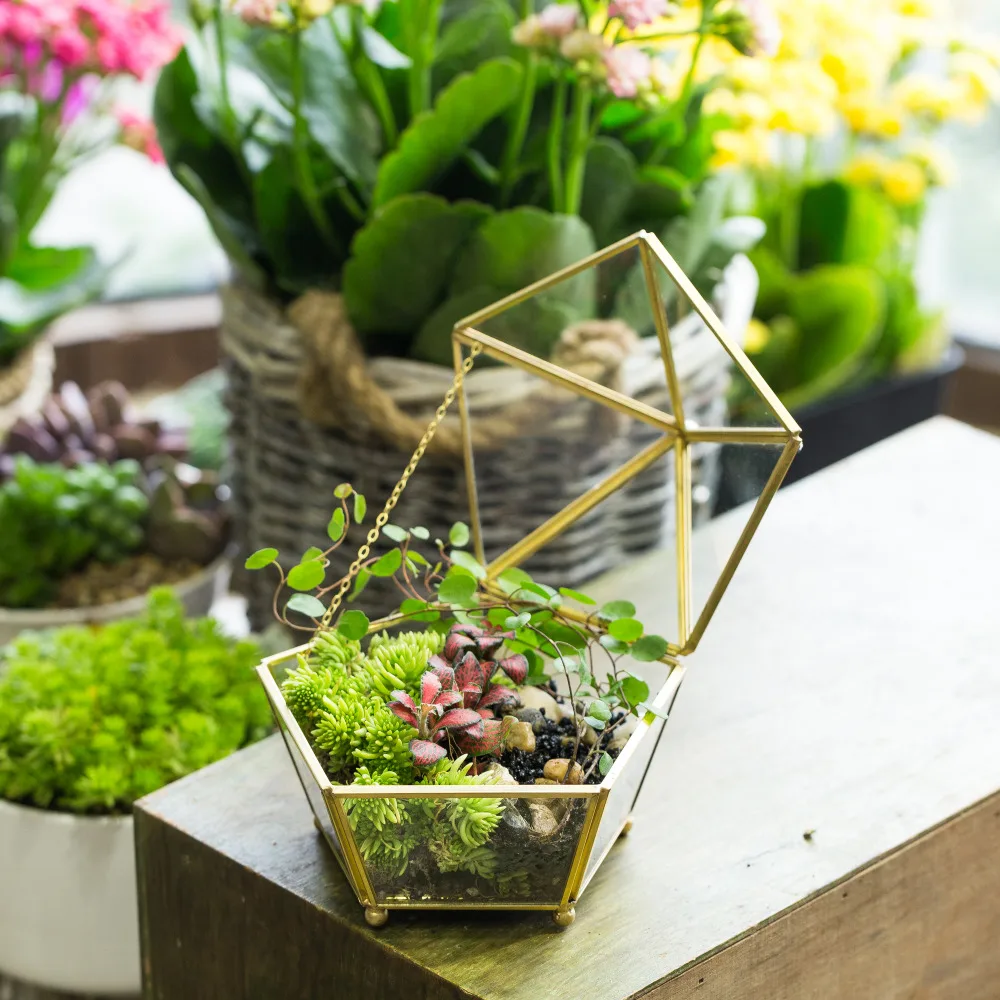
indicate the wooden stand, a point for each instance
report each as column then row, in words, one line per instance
column 822, row 818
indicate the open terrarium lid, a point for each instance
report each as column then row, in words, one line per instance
column 613, row 393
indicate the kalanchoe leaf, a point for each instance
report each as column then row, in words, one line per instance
column 454, row 645
column 430, row 688
column 460, row 718
column 515, row 667
column 426, row 753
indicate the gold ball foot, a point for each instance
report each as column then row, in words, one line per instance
column 563, row 918
column 627, row 828
column 376, row 916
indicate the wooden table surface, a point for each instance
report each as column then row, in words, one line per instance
column 822, row 818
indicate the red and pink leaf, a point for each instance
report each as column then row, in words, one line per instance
column 403, row 698
column 455, row 644
column 446, row 699
column 402, row 712
column 472, row 631
column 497, row 695
column 430, row 688
column 515, row 667
column 426, row 753
column 469, row 676
column 437, row 662
column 459, row 718
column 494, row 733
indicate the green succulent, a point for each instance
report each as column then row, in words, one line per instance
column 385, row 742
column 93, row 718
column 341, row 728
column 452, row 855
column 383, row 829
column 396, row 663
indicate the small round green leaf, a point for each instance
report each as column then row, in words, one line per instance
column 387, row 564
column 343, row 491
column 457, row 588
column 311, row 553
column 599, row 710
column 614, row 646
column 306, row 605
column 396, row 533
column 353, row 625
column 261, row 558
column 617, row 609
column 459, row 534
column 360, row 507
column 416, row 557
column 335, row 529
column 634, row 690
column 597, row 724
column 605, row 763
column 306, row 575
column 626, row 629
column 417, row 610
column 516, row 621
column 649, row 648
column 467, row 562
column 575, row 595
column 422, row 533
column 360, row 582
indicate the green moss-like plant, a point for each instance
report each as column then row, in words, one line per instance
column 93, row 718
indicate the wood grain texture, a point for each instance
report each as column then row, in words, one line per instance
column 922, row 923
column 847, row 685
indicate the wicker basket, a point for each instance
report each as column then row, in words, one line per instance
column 285, row 467
column 25, row 383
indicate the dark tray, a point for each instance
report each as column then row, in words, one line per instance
column 839, row 426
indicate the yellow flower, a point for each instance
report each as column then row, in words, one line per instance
column 925, row 95
column 866, row 170
column 978, row 81
column 904, row 182
column 867, row 115
column 749, row 148
column 757, row 336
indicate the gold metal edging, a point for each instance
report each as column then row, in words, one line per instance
column 705, row 311
column 725, row 577
column 496, row 308
column 567, row 379
column 469, row 459
column 363, row 888
column 737, row 435
column 578, row 867
column 682, row 506
column 663, row 334
column 468, row 906
column 286, row 718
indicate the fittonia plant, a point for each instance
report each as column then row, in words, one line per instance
column 443, row 700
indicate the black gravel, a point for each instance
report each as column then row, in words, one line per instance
column 554, row 743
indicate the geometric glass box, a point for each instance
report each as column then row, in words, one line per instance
column 553, row 862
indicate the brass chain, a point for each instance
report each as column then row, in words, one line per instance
column 383, row 517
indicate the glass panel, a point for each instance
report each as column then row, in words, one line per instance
column 624, row 792
column 745, row 471
column 309, row 785
column 450, row 849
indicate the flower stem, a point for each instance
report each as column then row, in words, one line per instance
column 422, row 34
column 229, row 124
column 579, row 139
column 519, row 129
column 371, row 81
column 554, row 145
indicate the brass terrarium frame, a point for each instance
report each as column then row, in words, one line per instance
column 678, row 435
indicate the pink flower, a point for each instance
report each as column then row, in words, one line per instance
column 764, row 25
column 71, row 48
column 628, row 69
column 636, row 13
column 78, row 98
column 140, row 134
column 557, row 20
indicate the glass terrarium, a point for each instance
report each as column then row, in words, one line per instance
column 488, row 826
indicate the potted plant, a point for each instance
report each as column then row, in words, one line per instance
column 92, row 719
column 485, row 747
column 96, row 508
column 377, row 171
column 60, row 66
column 836, row 134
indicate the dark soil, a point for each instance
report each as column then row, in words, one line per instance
column 554, row 743
column 103, row 583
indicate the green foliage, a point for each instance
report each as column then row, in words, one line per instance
column 397, row 662
column 53, row 520
column 415, row 158
column 93, row 718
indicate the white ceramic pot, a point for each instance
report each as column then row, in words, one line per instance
column 197, row 593
column 68, row 911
